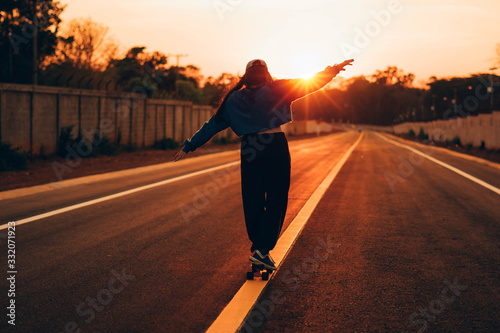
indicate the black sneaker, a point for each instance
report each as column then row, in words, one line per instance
column 265, row 260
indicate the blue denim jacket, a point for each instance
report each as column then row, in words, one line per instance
column 255, row 110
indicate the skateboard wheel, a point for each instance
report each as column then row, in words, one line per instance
column 249, row 275
column 265, row 276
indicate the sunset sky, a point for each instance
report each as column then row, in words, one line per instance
column 297, row 37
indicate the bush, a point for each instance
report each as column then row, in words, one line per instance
column 105, row 147
column 455, row 141
column 98, row 146
column 483, row 146
column 11, row 158
column 65, row 140
column 411, row 133
column 43, row 154
column 422, row 135
column 166, row 144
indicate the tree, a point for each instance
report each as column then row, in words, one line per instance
column 466, row 90
column 393, row 76
column 193, row 74
column 83, row 51
column 142, row 71
column 382, row 98
column 214, row 88
column 186, row 90
column 21, row 24
column 84, row 44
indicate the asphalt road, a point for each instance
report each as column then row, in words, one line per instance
column 420, row 256
column 169, row 258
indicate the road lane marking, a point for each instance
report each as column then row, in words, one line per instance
column 235, row 313
column 120, row 194
column 447, row 166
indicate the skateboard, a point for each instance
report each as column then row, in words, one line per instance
column 258, row 270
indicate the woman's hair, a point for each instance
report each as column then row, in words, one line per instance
column 257, row 75
column 237, row 87
column 254, row 76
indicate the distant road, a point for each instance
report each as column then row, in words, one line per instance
column 170, row 257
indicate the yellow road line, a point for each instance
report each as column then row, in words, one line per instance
column 233, row 315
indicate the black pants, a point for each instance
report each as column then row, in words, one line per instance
column 265, row 181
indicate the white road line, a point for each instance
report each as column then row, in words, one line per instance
column 120, row 194
column 233, row 315
column 113, row 175
column 447, row 166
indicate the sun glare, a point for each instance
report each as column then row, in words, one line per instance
column 304, row 65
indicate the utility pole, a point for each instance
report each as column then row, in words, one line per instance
column 177, row 56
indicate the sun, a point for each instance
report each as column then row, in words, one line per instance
column 304, row 64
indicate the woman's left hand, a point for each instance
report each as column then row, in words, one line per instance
column 179, row 156
column 337, row 68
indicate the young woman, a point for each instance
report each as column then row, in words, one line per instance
column 256, row 113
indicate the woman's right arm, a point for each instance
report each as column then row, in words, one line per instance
column 205, row 133
column 298, row 88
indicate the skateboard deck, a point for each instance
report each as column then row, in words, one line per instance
column 258, row 270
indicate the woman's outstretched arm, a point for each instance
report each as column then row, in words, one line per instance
column 297, row 88
column 205, row 133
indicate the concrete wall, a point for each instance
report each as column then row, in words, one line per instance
column 472, row 130
column 301, row 127
column 31, row 117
